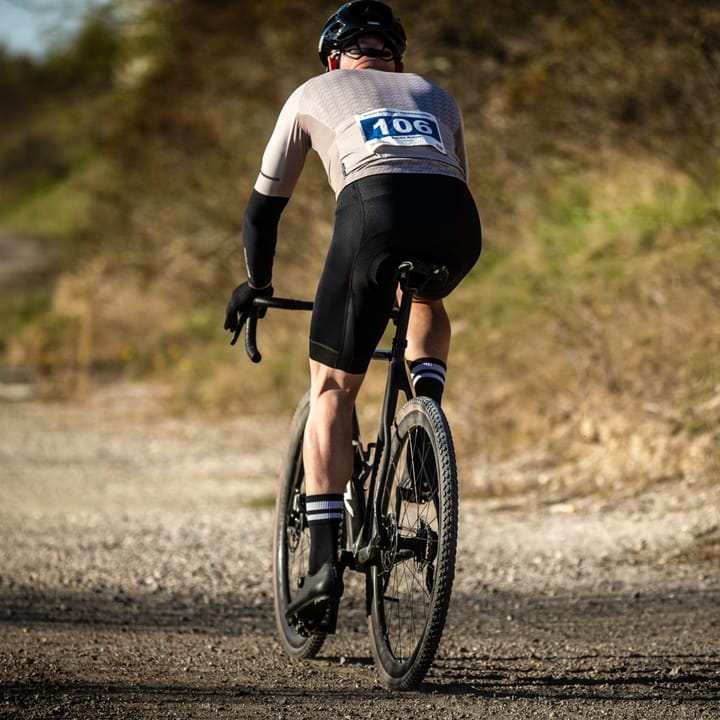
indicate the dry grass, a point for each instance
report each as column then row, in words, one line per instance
column 593, row 138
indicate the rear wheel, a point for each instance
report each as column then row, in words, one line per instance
column 291, row 546
column 410, row 586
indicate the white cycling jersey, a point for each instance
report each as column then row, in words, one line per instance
column 364, row 122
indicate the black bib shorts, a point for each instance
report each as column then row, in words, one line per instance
column 380, row 221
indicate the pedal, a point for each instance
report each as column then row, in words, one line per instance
column 411, row 495
column 419, row 492
column 309, row 623
column 328, row 624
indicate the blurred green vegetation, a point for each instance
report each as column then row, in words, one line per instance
column 593, row 135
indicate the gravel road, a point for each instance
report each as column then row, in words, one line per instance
column 135, row 560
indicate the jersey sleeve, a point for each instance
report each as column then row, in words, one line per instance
column 285, row 153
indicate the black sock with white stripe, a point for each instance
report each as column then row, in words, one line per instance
column 428, row 377
column 324, row 514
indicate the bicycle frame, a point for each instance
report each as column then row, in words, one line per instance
column 411, row 277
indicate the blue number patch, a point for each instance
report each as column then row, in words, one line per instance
column 401, row 128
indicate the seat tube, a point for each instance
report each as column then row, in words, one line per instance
column 397, row 381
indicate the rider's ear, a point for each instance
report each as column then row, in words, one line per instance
column 333, row 62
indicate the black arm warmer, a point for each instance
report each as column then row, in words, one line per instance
column 260, row 225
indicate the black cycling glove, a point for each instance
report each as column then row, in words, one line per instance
column 241, row 303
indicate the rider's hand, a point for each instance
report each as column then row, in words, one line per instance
column 240, row 305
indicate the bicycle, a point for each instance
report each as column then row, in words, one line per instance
column 400, row 511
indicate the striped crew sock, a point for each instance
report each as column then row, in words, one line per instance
column 428, row 377
column 324, row 514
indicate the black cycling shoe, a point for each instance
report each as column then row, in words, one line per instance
column 419, row 492
column 315, row 607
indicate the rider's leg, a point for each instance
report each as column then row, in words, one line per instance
column 429, row 330
column 428, row 346
column 328, row 455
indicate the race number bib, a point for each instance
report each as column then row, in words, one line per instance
column 403, row 128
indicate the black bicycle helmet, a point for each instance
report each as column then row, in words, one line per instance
column 356, row 18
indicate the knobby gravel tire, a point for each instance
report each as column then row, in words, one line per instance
column 409, row 589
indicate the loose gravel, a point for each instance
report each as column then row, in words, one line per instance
column 135, row 581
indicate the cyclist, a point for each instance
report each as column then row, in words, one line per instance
column 392, row 144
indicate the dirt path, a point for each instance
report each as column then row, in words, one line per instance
column 135, row 583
